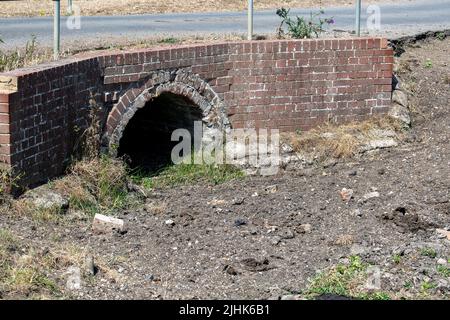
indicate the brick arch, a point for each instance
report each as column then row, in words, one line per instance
column 181, row 82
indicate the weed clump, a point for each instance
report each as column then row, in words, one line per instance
column 300, row 27
column 95, row 185
column 346, row 280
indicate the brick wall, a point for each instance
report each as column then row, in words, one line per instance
column 288, row 85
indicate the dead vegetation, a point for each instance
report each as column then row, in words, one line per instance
column 8, row 181
column 33, row 53
column 21, row 57
column 25, row 271
column 33, row 272
column 95, row 185
column 341, row 141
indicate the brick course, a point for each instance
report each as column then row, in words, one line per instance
column 288, row 84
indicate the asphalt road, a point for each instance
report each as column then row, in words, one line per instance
column 396, row 19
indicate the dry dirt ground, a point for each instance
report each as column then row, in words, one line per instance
column 242, row 240
column 121, row 7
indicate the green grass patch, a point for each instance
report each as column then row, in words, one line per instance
column 428, row 252
column 426, row 286
column 428, row 64
column 344, row 280
column 185, row 174
column 22, row 270
column 444, row 271
column 396, row 258
column 441, row 36
column 97, row 185
column 169, row 40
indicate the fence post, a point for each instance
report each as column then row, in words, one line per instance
column 250, row 20
column 56, row 29
column 358, row 18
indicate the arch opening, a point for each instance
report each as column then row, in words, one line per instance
column 146, row 141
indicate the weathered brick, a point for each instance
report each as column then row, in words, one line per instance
column 286, row 84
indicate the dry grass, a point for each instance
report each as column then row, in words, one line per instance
column 23, row 207
column 121, row 7
column 446, row 79
column 344, row 240
column 95, row 185
column 5, row 182
column 33, row 53
column 88, row 144
column 156, row 207
column 8, row 183
column 21, row 57
column 339, row 141
column 24, row 271
column 28, row 271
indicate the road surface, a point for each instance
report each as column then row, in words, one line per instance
column 397, row 19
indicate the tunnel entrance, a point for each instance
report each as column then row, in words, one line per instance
column 146, row 141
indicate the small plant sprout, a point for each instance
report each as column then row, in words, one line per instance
column 428, row 64
column 444, row 271
column 441, row 36
column 396, row 258
column 428, row 252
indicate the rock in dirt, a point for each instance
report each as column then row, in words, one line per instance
column 287, row 234
column 352, row 173
column 230, row 270
column 239, row 222
column 74, row 278
column 216, row 202
column 400, row 97
column 443, row 232
column 169, row 223
column 45, row 198
column 105, row 224
column 442, row 261
column 90, row 265
column 379, row 144
column 370, row 195
column 357, row 212
column 271, row 189
column 304, row 228
column 237, row 201
column 275, row 240
column 346, row 194
column 400, row 113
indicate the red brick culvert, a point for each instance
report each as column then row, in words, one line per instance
column 288, row 85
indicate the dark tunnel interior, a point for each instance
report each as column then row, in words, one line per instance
column 146, row 141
